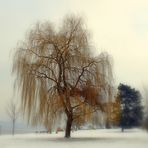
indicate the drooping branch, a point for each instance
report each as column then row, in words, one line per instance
column 57, row 76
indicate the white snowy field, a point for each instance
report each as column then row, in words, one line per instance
column 101, row 138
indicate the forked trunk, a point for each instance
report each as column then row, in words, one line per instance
column 68, row 126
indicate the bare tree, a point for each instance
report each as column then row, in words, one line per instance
column 56, row 74
column 145, row 96
column 13, row 113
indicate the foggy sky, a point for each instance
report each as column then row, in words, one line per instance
column 119, row 27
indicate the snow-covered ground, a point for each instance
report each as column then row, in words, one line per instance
column 102, row 138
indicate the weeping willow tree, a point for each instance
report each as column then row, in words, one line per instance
column 57, row 75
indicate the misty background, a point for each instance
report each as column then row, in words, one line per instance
column 118, row 27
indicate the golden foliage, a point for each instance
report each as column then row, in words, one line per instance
column 56, row 73
column 113, row 111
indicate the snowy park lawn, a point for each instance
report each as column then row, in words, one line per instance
column 101, row 138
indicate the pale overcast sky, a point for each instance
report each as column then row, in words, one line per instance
column 119, row 27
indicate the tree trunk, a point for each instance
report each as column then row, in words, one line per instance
column 122, row 129
column 107, row 125
column 68, row 126
column 13, row 126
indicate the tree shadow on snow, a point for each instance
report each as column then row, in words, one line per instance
column 78, row 139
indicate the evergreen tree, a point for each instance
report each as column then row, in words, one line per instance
column 131, row 108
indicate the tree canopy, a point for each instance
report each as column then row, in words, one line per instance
column 57, row 75
column 131, row 107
